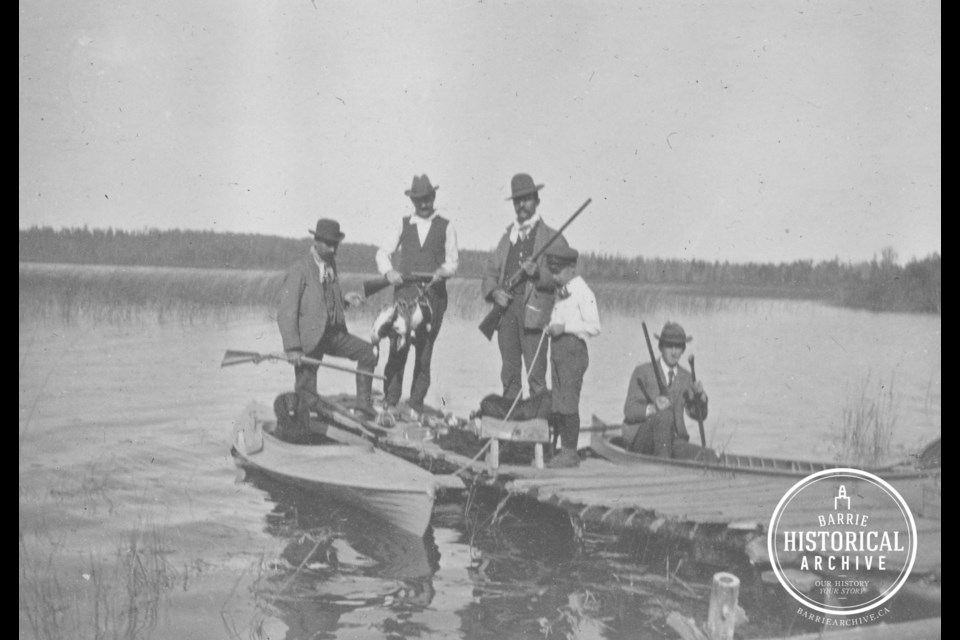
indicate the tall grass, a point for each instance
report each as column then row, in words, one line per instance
column 115, row 295
column 113, row 598
column 868, row 421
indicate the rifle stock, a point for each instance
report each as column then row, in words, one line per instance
column 491, row 321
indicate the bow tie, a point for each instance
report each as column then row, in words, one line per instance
column 563, row 293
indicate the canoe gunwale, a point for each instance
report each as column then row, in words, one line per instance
column 769, row 466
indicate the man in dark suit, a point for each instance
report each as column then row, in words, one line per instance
column 520, row 334
column 654, row 417
column 313, row 323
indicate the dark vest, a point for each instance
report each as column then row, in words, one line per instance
column 333, row 301
column 519, row 252
column 426, row 258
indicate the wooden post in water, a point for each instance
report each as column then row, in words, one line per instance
column 493, row 456
column 722, row 614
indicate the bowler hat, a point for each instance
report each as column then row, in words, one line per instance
column 421, row 187
column 522, row 185
column 673, row 333
column 328, row 230
column 560, row 255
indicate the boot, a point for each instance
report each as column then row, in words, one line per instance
column 567, row 458
column 364, row 403
column 569, row 433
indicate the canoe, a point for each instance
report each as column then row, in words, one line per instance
column 355, row 472
column 605, row 442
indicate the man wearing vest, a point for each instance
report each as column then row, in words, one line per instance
column 653, row 421
column 520, row 334
column 313, row 324
column 427, row 243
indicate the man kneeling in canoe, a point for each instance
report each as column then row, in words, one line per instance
column 653, row 417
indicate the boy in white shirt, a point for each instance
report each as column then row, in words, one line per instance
column 574, row 319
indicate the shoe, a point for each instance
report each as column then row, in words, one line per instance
column 364, row 410
column 566, row 459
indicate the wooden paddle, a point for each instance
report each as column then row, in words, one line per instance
column 693, row 372
column 242, row 357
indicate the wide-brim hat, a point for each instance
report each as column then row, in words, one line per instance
column 522, row 185
column 561, row 256
column 421, row 188
column 673, row 333
column 327, row 230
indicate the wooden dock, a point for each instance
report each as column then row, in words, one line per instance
column 728, row 508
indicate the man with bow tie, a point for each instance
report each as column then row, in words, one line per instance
column 313, row 323
column 573, row 320
column 654, row 421
column 427, row 243
column 520, row 333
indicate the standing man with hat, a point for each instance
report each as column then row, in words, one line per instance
column 519, row 335
column 574, row 319
column 427, row 242
column 654, row 422
column 313, row 324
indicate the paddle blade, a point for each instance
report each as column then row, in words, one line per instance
column 240, row 357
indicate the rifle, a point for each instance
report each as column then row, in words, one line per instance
column 241, row 357
column 376, row 285
column 653, row 359
column 693, row 372
column 492, row 320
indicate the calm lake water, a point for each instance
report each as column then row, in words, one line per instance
column 124, row 456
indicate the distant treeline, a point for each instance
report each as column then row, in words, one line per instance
column 881, row 284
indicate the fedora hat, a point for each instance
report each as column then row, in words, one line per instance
column 522, row 185
column 673, row 333
column 421, row 187
column 328, row 230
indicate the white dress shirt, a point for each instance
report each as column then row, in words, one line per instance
column 577, row 312
column 392, row 241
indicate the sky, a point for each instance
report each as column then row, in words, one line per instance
column 741, row 131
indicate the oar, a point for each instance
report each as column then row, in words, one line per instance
column 693, row 372
column 242, row 357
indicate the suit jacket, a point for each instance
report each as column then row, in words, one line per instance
column 302, row 313
column 643, row 391
column 539, row 293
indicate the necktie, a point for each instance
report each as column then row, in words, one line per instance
column 564, row 293
column 670, row 377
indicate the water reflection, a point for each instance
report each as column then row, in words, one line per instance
column 338, row 559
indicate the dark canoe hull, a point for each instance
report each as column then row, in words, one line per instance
column 397, row 491
column 604, row 441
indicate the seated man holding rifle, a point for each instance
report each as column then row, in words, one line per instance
column 527, row 305
column 660, row 392
column 427, row 243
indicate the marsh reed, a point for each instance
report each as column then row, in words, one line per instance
column 117, row 295
column 868, row 422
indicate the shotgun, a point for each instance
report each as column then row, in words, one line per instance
column 376, row 285
column 241, row 357
column 693, row 372
column 492, row 319
column 653, row 360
